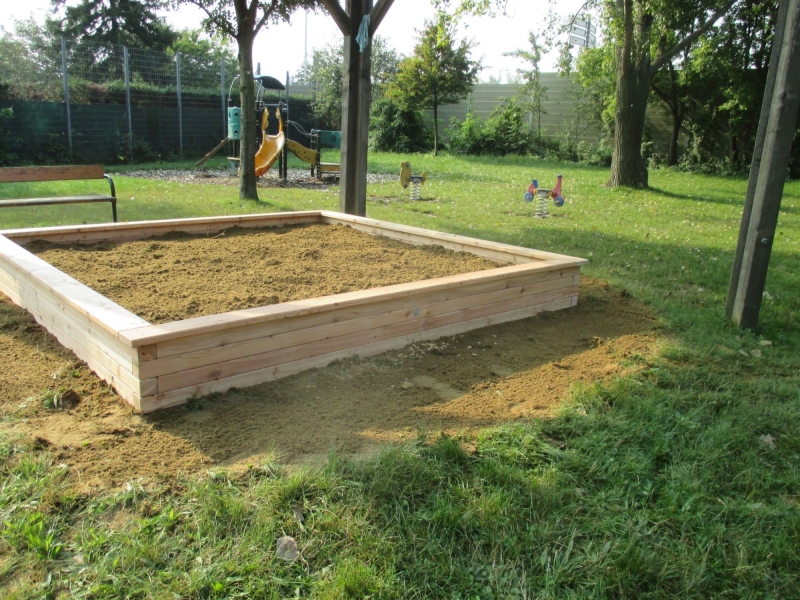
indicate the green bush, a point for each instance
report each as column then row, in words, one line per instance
column 393, row 129
column 504, row 132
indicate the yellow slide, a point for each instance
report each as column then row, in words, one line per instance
column 271, row 145
column 305, row 154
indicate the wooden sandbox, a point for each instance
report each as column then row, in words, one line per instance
column 157, row 366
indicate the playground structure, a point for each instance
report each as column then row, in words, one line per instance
column 541, row 195
column 415, row 181
column 275, row 147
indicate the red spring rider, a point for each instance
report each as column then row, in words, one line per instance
column 542, row 195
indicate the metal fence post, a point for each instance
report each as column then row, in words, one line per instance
column 180, row 107
column 66, row 93
column 222, row 97
column 126, row 67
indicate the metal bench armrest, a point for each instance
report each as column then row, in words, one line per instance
column 111, row 183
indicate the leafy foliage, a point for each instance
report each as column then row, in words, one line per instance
column 504, row 132
column 131, row 23
column 440, row 72
column 531, row 91
column 325, row 73
column 393, row 129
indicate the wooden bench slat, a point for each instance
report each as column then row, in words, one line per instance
column 56, row 200
column 59, row 173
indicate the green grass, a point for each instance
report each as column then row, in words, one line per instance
column 657, row 485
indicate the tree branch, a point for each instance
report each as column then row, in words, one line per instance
column 267, row 14
column 221, row 24
column 660, row 93
column 689, row 39
column 337, row 12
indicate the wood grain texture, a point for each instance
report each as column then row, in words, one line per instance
column 179, row 396
column 291, row 333
column 371, row 332
column 156, row 334
column 59, row 173
column 255, row 330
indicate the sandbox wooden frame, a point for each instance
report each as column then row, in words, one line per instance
column 157, row 366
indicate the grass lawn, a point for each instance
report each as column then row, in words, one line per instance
column 681, row 481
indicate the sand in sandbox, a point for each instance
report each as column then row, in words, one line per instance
column 179, row 276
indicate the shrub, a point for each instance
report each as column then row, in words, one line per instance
column 393, row 129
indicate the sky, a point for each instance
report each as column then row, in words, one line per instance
column 282, row 48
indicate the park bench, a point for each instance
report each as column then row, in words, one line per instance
column 63, row 173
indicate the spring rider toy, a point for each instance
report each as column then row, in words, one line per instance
column 542, row 195
column 406, row 179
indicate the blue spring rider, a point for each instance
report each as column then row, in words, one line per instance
column 541, row 195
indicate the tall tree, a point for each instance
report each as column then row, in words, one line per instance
column 669, row 87
column 126, row 22
column 326, row 71
column 531, row 90
column 201, row 56
column 242, row 20
column 643, row 32
column 440, row 72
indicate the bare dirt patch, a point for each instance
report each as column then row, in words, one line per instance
column 178, row 276
column 457, row 385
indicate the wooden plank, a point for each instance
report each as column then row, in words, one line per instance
column 303, row 333
column 94, row 346
column 56, row 200
column 80, row 349
column 239, row 366
column 29, row 293
column 487, row 249
column 377, row 14
column 341, row 18
column 96, row 307
column 59, row 173
column 86, row 342
column 229, row 336
column 68, row 322
column 177, row 397
column 134, row 230
column 152, row 334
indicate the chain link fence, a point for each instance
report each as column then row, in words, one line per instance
column 90, row 102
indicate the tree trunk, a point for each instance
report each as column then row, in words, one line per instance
column 247, row 95
column 677, row 122
column 355, row 114
column 677, row 117
column 628, row 168
column 633, row 88
column 436, row 130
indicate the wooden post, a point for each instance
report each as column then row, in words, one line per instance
column 355, row 99
column 755, row 163
column 355, row 115
column 779, row 128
